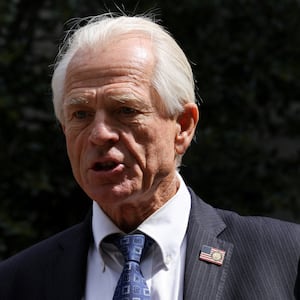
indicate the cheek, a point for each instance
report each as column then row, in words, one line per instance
column 159, row 149
column 74, row 147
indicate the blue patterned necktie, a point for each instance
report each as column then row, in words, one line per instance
column 132, row 284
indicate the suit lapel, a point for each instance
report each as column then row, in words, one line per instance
column 204, row 280
column 68, row 269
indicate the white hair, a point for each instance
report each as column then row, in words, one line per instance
column 172, row 79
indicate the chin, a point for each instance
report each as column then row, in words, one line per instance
column 109, row 193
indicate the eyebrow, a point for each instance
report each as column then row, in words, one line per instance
column 76, row 101
column 121, row 98
column 125, row 98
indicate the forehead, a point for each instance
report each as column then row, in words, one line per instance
column 126, row 52
column 123, row 65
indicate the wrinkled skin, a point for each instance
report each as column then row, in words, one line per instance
column 122, row 146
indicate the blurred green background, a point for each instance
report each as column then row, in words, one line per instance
column 246, row 59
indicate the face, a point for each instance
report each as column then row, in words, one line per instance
column 121, row 146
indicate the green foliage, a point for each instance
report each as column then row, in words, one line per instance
column 246, row 63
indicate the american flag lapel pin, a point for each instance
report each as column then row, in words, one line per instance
column 212, row 255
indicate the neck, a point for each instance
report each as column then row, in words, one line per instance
column 131, row 214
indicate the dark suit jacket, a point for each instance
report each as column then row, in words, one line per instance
column 261, row 260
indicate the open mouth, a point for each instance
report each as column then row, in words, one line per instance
column 104, row 166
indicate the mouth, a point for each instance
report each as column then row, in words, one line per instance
column 106, row 166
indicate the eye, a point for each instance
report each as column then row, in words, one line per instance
column 128, row 111
column 81, row 114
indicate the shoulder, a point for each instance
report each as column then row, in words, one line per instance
column 246, row 225
column 38, row 255
column 252, row 230
column 263, row 240
column 28, row 274
column 260, row 226
column 39, row 249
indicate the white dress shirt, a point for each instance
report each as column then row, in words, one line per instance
column 162, row 267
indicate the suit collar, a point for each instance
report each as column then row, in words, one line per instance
column 204, row 280
column 67, row 272
column 68, row 269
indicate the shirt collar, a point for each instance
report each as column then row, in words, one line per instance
column 160, row 226
column 168, row 225
column 102, row 225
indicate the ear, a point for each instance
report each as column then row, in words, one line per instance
column 186, row 124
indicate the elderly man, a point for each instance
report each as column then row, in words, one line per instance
column 123, row 92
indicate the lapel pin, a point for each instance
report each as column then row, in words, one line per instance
column 212, row 255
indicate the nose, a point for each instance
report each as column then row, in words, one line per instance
column 103, row 132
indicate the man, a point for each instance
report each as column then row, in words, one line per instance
column 123, row 92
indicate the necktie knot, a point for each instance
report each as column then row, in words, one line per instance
column 133, row 246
